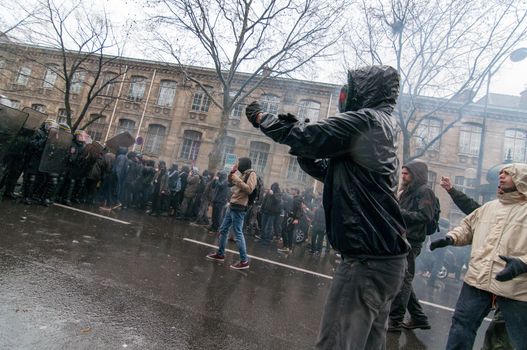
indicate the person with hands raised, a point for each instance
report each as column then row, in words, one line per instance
column 498, row 263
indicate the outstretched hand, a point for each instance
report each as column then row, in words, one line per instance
column 441, row 243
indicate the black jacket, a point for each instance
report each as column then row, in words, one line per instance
column 466, row 204
column 355, row 155
column 417, row 203
column 221, row 191
column 272, row 204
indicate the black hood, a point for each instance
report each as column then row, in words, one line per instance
column 244, row 163
column 372, row 86
column 419, row 172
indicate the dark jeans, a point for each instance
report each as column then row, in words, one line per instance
column 288, row 234
column 217, row 210
column 473, row 305
column 317, row 237
column 358, row 303
column 268, row 225
column 406, row 298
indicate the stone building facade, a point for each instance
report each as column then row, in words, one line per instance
column 179, row 123
column 175, row 118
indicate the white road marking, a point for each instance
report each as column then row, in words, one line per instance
column 90, row 213
column 262, row 259
column 308, row 271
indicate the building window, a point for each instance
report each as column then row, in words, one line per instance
column 238, row 110
column 137, row 88
column 201, row 101
column 429, row 129
column 62, row 116
column 227, row 147
column 270, row 103
column 50, row 77
column 167, row 93
column 432, row 178
column 23, row 75
column 125, row 125
column 294, row 172
column 155, row 138
column 108, row 84
column 309, row 110
column 39, row 108
column 515, row 143
column 470, row 139
column 258, row 153
column 77, row 81
column 15, row 104
column 191, row 144
column 96, row 129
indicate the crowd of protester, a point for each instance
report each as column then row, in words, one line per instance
column 127, row 179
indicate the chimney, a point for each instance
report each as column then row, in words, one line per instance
column 523, row 99
column 266, row 71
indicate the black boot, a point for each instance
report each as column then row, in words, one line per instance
column 28, row 186
column 69, row 192
column 51, row 191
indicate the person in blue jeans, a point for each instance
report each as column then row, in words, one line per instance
column 242, row 186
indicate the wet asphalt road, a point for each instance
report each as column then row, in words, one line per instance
column 69, row 280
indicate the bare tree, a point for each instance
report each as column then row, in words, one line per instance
column 446, row 49
column 267, row 38
column 85, row 69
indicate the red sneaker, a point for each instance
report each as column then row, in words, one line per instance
column 240, row 265
column 215, row 256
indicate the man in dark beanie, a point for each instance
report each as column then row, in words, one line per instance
column 354, row 153
column 242, row 186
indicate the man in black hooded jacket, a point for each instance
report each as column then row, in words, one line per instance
column 354, row 153
column 417, row 206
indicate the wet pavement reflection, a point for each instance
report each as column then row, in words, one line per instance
column 76, row 281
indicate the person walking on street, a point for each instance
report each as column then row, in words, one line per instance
column 242, row 186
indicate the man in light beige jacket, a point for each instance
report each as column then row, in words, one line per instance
column 497, row 269
column 242, row 186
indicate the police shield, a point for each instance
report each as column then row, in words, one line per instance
column 55, row 151
column 11, row 121
column 34, row 118
column 122, row 140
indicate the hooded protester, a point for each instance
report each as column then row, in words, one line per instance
column 271, row 210
column 220, row 197
column 160, row 191
column 242, row 187
column 189, row 195
column 417, row 207
column 354, row 153
column 120, row 169
column 497, row 271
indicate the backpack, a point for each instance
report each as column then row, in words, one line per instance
column 433, row 226
column 256, row 194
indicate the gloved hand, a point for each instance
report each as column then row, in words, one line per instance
column 441, row 243
column 290, row 118
column 513, row 268
column 251, row 111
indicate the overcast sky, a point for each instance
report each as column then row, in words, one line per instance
column 511, row 78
